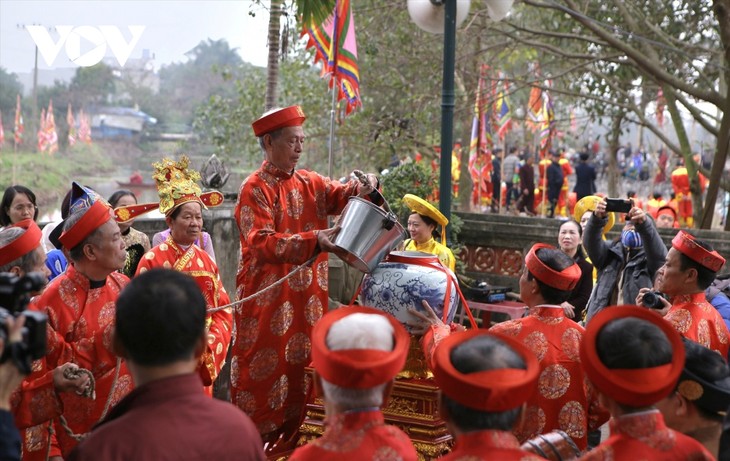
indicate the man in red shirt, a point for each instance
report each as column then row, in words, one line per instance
column 356, row 353
column 281, row 215
column 690, row 267
column 563, row 401
column 485, row 379
column 634, row 358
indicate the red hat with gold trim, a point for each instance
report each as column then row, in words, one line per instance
column 489, row 390
column 685, row 243
column 358, row 368
column 278, row 118
column 636, row 387
column 176, row 185
column 24, row 244
column 564, row 280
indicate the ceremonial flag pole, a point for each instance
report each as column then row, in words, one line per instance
column 335, row 45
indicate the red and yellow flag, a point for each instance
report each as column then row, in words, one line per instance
column 335, row 45
column 18, row 128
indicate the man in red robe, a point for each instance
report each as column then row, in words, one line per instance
column 634, row 358
column 485, row 379
column 161, row 332
column 182, row 203
column 690, row 267
column 80, row 308
column 356, row 353
column 564, row 401
column 282, row 219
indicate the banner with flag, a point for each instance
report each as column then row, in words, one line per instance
column 51, row 135
column 548, row 122
column 18, row 128
column 504, row 114
column 335, row 46
column 2, row 131
column 42, row 141
column 480, row 146
column 71, row 126
column 661, row 103
column 84, row 128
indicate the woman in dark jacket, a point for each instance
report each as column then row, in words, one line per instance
column 569, row 240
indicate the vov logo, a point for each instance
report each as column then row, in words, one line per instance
column 100, row 37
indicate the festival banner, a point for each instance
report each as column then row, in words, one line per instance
column 18, row 128
column 51, row 135
column 72, row 136
column 41, row 134
column 335, row 46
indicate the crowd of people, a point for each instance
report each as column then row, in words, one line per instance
column 563, row 177
column 137, row 333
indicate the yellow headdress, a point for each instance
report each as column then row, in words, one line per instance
column 418, row 205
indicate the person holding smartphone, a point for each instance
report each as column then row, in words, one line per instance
column 626, row 264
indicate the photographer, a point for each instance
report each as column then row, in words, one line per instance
column 626, row 264
column 10, row 378
column 35, row 402
column 690, row 267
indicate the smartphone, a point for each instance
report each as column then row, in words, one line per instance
column 619, row 205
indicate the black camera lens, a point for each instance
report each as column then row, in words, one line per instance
column 652, row 300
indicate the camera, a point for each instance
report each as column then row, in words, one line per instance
column 14, row 297
column 619, row 205
column 653, row 300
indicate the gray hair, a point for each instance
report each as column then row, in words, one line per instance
column 358, row 331
column 77, row 253
column 25, row 262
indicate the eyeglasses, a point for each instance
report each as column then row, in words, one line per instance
column 21, row 208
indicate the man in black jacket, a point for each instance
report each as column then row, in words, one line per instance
column 554, row 181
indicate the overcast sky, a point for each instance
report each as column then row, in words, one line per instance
column 171, row 28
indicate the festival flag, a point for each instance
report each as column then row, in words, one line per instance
column 335, row 45
column 51, row 135
column 42, row 139
column 84, row 128
column 504, row 116
column 18, row 128
column 661, row 103
column 480, row 146
column 548, row 122
column 71, row 126
column 2, row 131
column 573, row 122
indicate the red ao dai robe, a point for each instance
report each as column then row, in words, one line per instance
column 278, row 215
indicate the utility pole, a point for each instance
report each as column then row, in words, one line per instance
column 34, row 94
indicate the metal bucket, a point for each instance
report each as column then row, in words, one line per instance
column 367, row 234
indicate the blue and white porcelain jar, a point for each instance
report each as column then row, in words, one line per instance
column 405, row 278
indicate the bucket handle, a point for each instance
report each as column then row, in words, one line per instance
column 389, row 221
column 364, row 180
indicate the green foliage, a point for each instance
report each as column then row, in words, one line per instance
column 92, row 85
column 10, row 88
column 409, row 178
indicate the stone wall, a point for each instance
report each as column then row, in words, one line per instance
column 493, row 245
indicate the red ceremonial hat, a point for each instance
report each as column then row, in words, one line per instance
column 490, row 390
column 27, row 242
column 666, row 209
column 637, row 387
column 566, row 279
column 357, row 368
column 288, row 116
column 94, row 217
column 685, row 243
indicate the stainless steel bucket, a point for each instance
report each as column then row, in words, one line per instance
column 367, row 234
